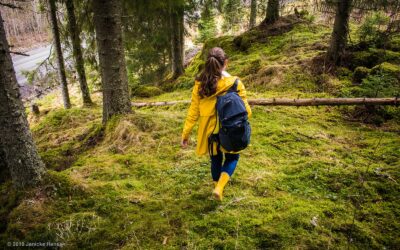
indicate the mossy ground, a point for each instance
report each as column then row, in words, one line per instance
column 311, row 179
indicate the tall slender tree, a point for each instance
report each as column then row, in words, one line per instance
column 253, row 13
column 107, row 22
column 59, row 54
column 272, row 12
column 340, row 31
column 176, row 20
column 77, row 52
column 17, row 150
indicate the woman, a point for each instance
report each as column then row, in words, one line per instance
column 212, row 82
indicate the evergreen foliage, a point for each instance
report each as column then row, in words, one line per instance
column 207, row 26
column 233, row 13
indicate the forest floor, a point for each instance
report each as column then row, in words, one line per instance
column 312, row 178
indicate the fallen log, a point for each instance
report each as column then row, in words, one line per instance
column 295, row 102
column 152, row 104
column 324, row 101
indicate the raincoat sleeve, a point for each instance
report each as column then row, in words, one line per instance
column 193, row 113
column 242, row 94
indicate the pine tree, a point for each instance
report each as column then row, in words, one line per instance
column 272, row 12
column 18, row 153
column 343, row 9
column 233, row 15
column 176, row 21
column 60, row 58
column 107, row 22
column 207, row 25
column 253, row 13
column 77, row 52
column 340, row 31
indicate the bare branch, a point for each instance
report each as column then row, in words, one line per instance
column 17, row 53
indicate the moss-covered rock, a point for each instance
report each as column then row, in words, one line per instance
column 360, row 73
column 224, row 42
column 244, row 42
column 372, row 57
column 388, row 69
column 146, row 91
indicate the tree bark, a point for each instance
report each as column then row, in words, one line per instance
column 182, row 36
column 253, row 14
column 272, row 12
column 177, row 41
column 77, row 52
column 18, row 151
column 296, row 102
column 107, row 22
column 59, row 54
column 4, row 171
column 340, row 31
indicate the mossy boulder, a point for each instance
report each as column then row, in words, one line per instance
column 244, row 41
column 146, row 91
column 372, row 57
column 224, row 42
column 360, row 73
column 388, row 69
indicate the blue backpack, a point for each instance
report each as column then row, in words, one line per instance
column 234, row 127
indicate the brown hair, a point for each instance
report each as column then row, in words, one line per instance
column 212, row 72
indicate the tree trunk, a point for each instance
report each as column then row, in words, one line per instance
column 220, row 5
column 253, row 14
column 393, row 101
column 107, row 22
column 177, row 36
column 182, row 37
column 4, row 171
column 340, row 31
column 272, row 12
column 18, row 151
column 77, row 52
column 60, row 57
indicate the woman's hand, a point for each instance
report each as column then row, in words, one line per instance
column 184, row 143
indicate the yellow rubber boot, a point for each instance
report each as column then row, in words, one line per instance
column 219, row 188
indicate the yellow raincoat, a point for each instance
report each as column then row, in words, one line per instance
column 203, row 109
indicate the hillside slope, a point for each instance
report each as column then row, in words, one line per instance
column 311, row 178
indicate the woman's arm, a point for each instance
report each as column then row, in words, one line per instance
column 193, row 113
column 242, row 94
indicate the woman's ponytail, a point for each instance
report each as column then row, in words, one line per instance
column 212, row 72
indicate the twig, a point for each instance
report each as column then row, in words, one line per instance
column 48, row 58
column 18, row 53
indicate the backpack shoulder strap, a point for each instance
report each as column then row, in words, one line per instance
column 234, row 86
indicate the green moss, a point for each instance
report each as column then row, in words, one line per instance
column 360, row 73
column 116, row 195
column 310, row 179
column 387, row 68
column 146, row 91
column 372, row 57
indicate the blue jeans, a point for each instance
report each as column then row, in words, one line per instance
column 229, row 165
